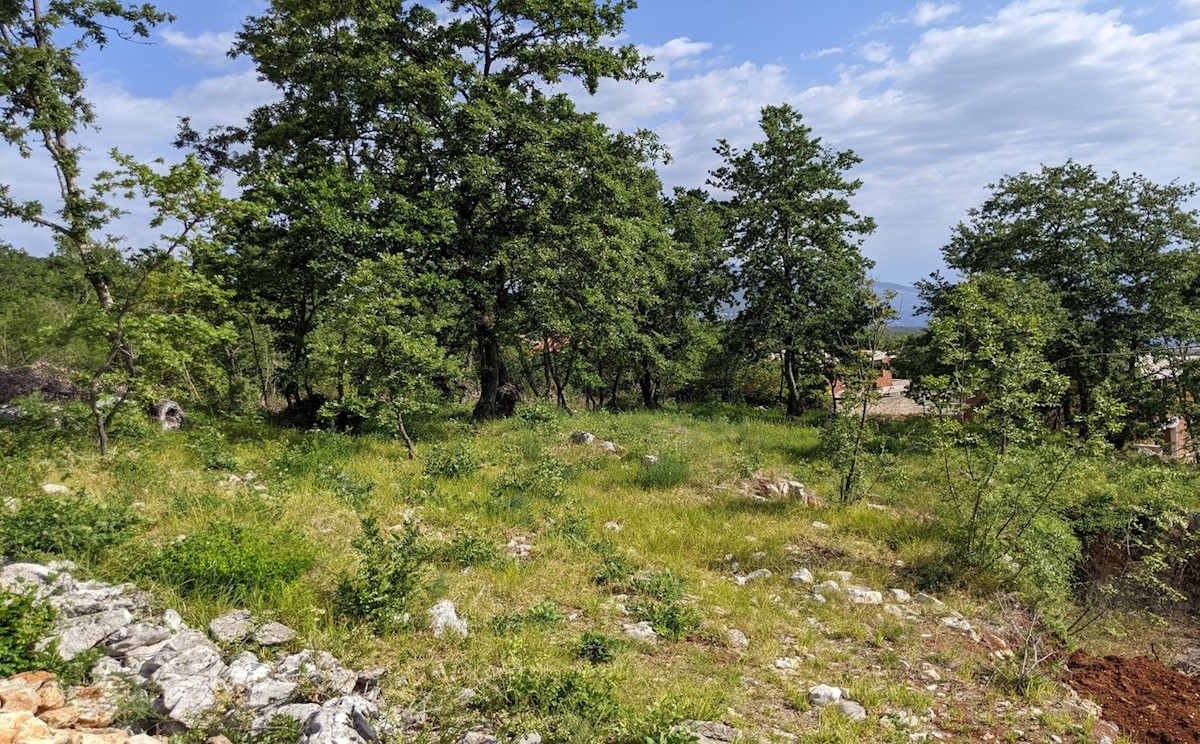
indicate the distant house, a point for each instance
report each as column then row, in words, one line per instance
column 1174, row 440
column 884, row 383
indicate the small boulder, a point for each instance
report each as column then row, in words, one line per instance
column 862, row 595
column 802, row 576
column 900, row 596
column 737, row 638
column 583, row 437
column 650, row 460
column 232, row 627
column 54, row 489
column 822, row 695
column 274, row 634
column 762, row 573
column 444, row 619
column 641, row 631
column 820, row 526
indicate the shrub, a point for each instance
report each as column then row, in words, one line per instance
column 572, row 705
column 669, row 471
column 23, row 623
column 313, row 452
column 354, row 492
column 451, row 461
column 597, row 648
column 231, row 562
column 615, row 570
column 662, row 584
column 63, row 524
column 538, row 412
column 471, row 547
column 670, row 619
column 391, row 576
column 543, row 613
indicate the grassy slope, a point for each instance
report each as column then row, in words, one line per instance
column 313, row 484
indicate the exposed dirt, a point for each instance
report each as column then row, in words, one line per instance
column 1148, row 701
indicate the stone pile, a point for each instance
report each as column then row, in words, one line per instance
column 34, row 709
column 190, row 678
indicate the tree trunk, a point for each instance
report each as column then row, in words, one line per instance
column 408, row 442
column 789, row 375
column 649, row 390
column 491, row 372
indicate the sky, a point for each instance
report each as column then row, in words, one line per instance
column 939, row 99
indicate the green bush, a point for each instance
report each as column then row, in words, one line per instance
column 662, row 584
column 392, row 575
column 670, row 619
column 572, row 705
column 23, row 623
column 231, row 562
column 451, row 461
column 537, row 413
column 669, row 471
column 597, row 648
column 470, row 547
column 72, row 525
column 354, row 492
column 616, row 569
column 543, row 613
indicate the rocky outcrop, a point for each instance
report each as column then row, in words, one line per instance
column 189, row 678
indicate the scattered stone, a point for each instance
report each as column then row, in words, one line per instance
column 822, row 695
column 842, row 576
column 477, row 737
column 820, row 526
column 55, row 489
column 233, row 627
column 802, row 576
column 612, row 526
column 737, row 638
column 319, row 669
column 829, row 586
column 610, row 447
column 852, row 710
column 762, row 573
column 343, row 720
column 532, row 737
column 923, row 598
column 520, row 548
column 443, row 619
column 817, row 598
column 79, row 634
column 957, row 623
column 900, row 596
column 710, row 732
column 274, row 634
column 650, row 460
column 140, row 640
column 641, row 631
column 583, row 437
column 894, row 610
column 862, row 595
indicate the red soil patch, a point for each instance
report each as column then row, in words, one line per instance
column 1148, row 701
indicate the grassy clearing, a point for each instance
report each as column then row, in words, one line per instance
column 539, row 542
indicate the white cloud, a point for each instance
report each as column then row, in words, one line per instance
column 927, row 13
column 676, row 51
column 209, row 48
column 875, row 51
column 1038, row 82
column 828, row 52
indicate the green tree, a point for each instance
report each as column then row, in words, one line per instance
column 796, row 239
column 382, row 346
column 991, row 390
column 1122, row 257
column 42, row 102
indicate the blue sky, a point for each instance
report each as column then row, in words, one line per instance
column 939, row 98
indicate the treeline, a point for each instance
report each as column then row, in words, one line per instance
column 424, row 215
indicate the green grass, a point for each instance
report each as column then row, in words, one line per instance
column 547, row 648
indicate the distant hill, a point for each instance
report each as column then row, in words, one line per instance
column 905, row 303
